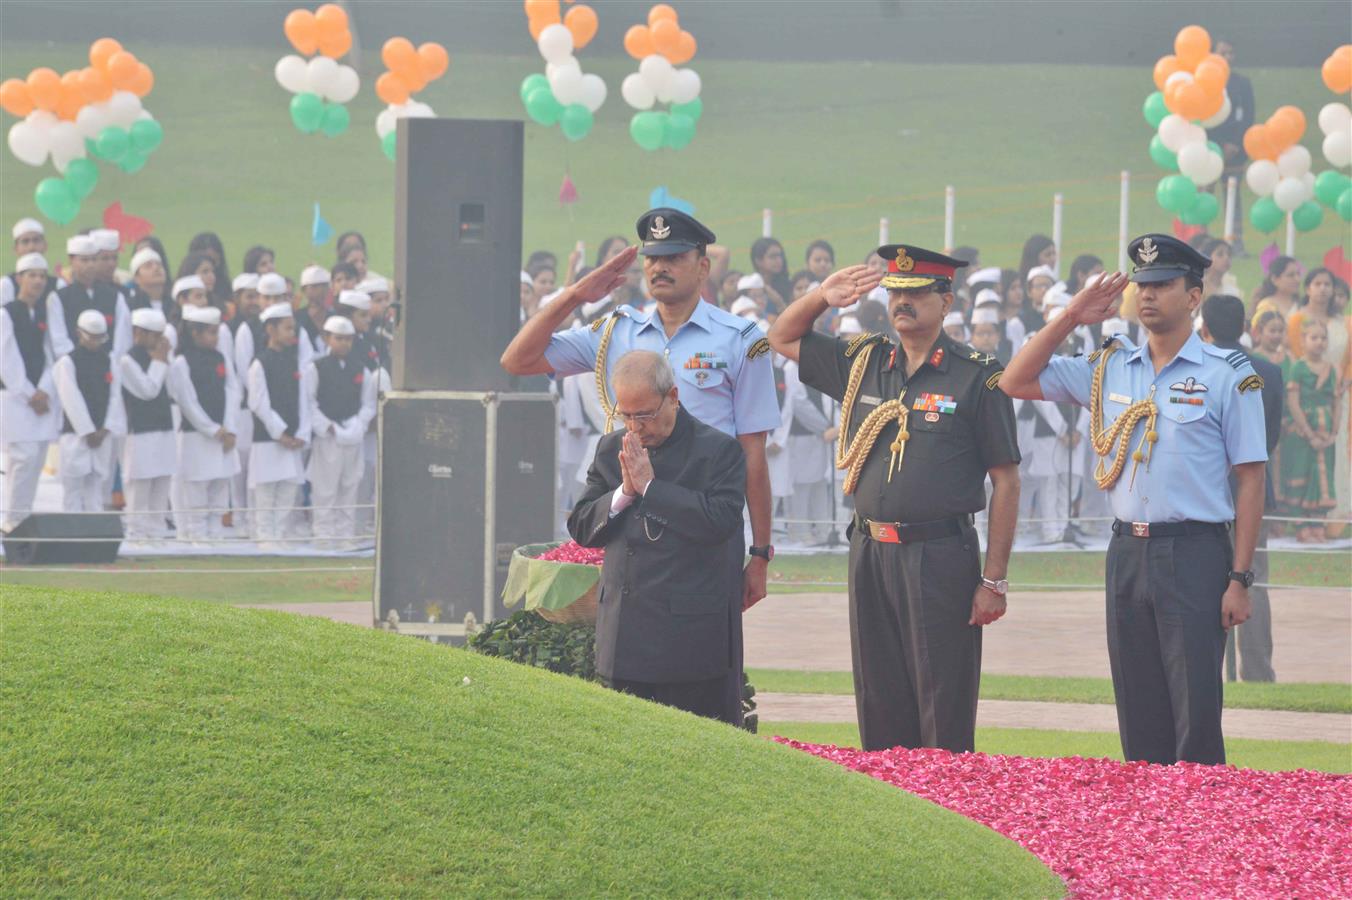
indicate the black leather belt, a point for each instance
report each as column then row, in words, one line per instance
column 1168, row 529
column 912, row 532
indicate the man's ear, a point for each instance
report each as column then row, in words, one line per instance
column 948, row 301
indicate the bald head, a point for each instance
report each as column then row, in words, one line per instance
column 644, row 369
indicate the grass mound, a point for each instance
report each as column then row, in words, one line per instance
column 166, row 747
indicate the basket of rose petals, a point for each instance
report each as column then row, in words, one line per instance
column 559, row 581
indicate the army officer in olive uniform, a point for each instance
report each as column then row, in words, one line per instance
column 922, row 424
column 664, row 496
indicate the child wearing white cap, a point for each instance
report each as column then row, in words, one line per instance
column 88, row 290
column 356, row 305
column 148, row 455
column 342, row 401
column 150, row 284
column 91, row 401
column 314, row 286
column 207, row 392
column 30, row 416
column 281, row 428
column 29, row 237
column 955, row 326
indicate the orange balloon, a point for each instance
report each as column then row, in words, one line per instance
column 302, row 30
column 398, row 51
column 1257, row 143
column 1288, row 124
column 335, row 45
column 666, row 35
column 44, row 86
column 433, row 60
column 122, row 68
column 638, row 42
column 331, row 20
column 1337, row 70
column 143, row 82
column 685, row 49
column 1216, row 59
column 1166, row 66
column 72, row 101
column 1210, row 76
column 411, row 75
column 96, row 85
column 102, row 50
column 390, row 89
column 546, row 11
column 659, row 13
column 1191, row 45
column 581, row 21
column 1210, row 104
column 15, row 98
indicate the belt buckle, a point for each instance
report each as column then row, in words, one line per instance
column 884, row 532
column 1140, row 529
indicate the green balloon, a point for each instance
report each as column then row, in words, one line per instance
column 1154, row 109
column 1265, row 215
column 336, row 119
column 82, row 176
column 542, row 108
column 146, row 135
column 575, row 122
column 1329, row 186
column 113, row 143
column 387, row 144
column 694, row 109
column 680, row 131
column 307, row 112
column 648, row 129
column 1175, row 192
column 1204, row 208
column 134, row 161
column 531, row 83
column 1307, row 216
column 1162, row 156
column 92, row 147
column 1344, row 205
column 56, row 200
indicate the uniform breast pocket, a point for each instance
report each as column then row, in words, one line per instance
column 929, row 422
column 1186, row 427
column 704, row 379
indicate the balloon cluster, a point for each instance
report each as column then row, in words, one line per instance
column 563, row 95
column 320, row 85
column 410, row 70
column 1331, row 187
column 95, row 111
column 1280, row 173
column 661, row 46
column 1191, row 98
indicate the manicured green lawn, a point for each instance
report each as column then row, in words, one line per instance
column 1309, row 697
column 160, row 747
column 1249, row 754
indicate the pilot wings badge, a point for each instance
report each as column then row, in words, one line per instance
column 659, row 230
column 1148, row 252
column 1191, row 386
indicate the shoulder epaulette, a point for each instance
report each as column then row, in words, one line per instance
column 750, row 327
column 1238, row 359
column 1107, row 342
column 862, row 340
column 971, row 354
column 758, row 348
column 613, row 314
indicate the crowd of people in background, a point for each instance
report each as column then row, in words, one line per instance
column 208, row 406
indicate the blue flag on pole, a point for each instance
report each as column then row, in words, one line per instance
column 320, row 231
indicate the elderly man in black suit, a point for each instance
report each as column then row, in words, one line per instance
column 664, row 496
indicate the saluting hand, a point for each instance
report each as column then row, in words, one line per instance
column 1097, row 300
column 844, row 286
column 604, row 278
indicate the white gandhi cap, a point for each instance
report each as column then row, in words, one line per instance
column 148, row 319
column 30, row 262
column 271, row 285
column 355, row 299
column 143, row 256
column 27, row 226
column 91, row 321
column 339, row 325
column 275, row 311
column 202, row 315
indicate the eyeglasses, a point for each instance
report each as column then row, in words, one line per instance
column 641, row 418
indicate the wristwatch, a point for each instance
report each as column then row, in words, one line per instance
column 766, row 553
column 1000, row 587
column 1244, row 578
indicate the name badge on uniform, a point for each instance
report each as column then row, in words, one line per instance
column 1120, row 398
column 866, row 400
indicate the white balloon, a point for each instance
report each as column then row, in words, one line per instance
column 1334, row 117
column 1338, row 148
column 1294, row 162
column 566, row 83
column 385, row 122
column 1176, row 131
column 290, row 73
column 1178, row 78
column 1211, row 170
column 319, row 75
column 92, row 119
column 685, row 86
column 1221, row 115
column 556, row 43
column 344, row 85
column 1262, row 176
column 593, row 92
column 66, row 145
column 416, row 109
column 123, row 108
column 1308, row 180
column 657, row 72
column 1192, row 157
column 28, row 143
column 1289, row 193
column 635, row 91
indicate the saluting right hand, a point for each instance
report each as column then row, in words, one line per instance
column 1097, row 300
column 845, row 286
column 604, row 278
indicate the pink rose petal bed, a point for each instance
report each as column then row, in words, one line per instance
column 1114, row 829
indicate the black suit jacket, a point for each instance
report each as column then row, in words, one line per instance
column 672, row 580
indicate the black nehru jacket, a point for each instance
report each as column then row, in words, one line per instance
column 75, row 300
column 206, row 368
column 139, row 299
column 340, row 384
column 943, row 470
column 144, row 416
column 30, row 330
column 282, row 371
column 94, row 376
